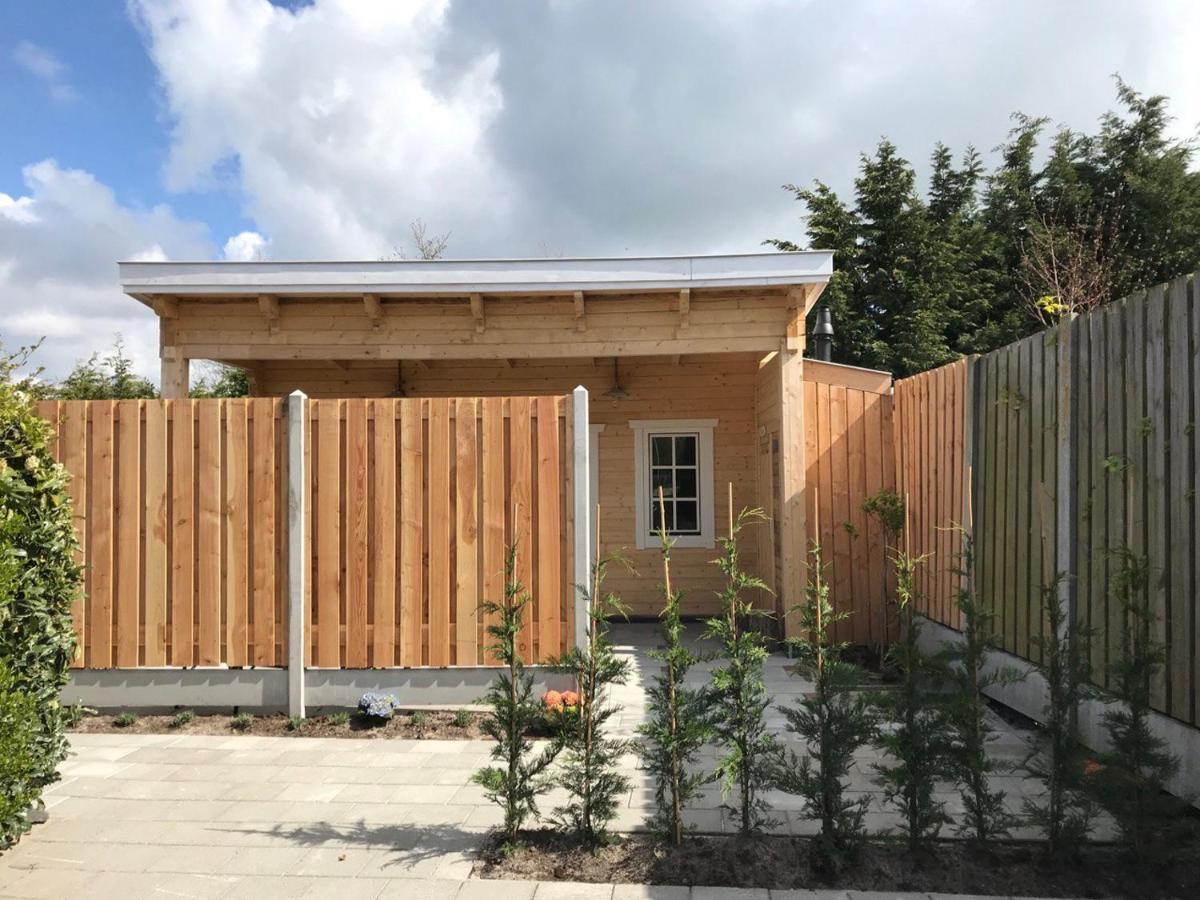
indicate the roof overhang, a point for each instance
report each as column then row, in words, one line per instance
column 146, row 280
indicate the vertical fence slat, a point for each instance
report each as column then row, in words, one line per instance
column 521, row 496
column 439, row 531
column 1181, row 495
column 157, row 577
column 265, row 530
column 492, row 499
column 355, row 539
column 1157, row 522
column 237, row 534
column 1116, row 467
column 412, row 505
column 466, row 512
column 327, row 546
column 383, row 533
column 75, row 455
column 183, row 520
column 549, row 502
column 128, row 530
column 208, row 533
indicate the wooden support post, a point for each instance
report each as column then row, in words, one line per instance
column 581, row 482
column 176, row 372
column 793, row 533
column 477, row 312
column 297, row 558
column 580, row 319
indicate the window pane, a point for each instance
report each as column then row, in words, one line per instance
column 685, row 483
column 661, row 478
column 686, row 520
column 660, row 451
column 685, row 450
column 654, row 516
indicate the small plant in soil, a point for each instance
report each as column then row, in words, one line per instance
column 678, row 724
column 1130, row 783
column 833, row 722
column 917, row 732
column 986, row 814
column 751, row 755
column 520, row 778
column 462, row 718
column 888, row 509
column 1062, row 810
column 295, row 723
column 125, row 720
column 338, row 719
column 241, row 722
column 183, row 718
column 591, row 772
column 418, row 720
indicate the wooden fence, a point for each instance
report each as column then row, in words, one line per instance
column 1081, row 443
column 931, row 411
column 848, row 454
column 182, row 517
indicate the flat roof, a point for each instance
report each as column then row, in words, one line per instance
column 476, row 276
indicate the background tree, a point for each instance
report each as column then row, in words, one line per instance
column 220, row 380
column 108, row 377
column 919, row 279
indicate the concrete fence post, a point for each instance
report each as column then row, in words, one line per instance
column 584, row 511
column 297, row 559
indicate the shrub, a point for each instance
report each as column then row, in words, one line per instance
column 125, row 720
column 678, row 723
column 987, row 814
column 833, row 721
column 241, row 722
column 378, row 707
column 751, row 754
column 338, row 719
column 39, row 578
column 918, row 733
column 1062, row 809
column 1138, row 763
column 182, row 718
column 19, row 766
column 520, row 778
column 295, row 723
column 462, row 718
column 419, row 720
column 591, row 774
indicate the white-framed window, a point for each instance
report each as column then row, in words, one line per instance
column 676, row 455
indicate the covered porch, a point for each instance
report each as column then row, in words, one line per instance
column 693, row 367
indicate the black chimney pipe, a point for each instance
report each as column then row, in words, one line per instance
column 822, row 335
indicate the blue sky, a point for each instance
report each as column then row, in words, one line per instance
column 240, row 129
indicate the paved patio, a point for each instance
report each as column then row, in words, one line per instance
column 213, row 816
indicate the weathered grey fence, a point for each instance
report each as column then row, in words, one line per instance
column 1081, row 442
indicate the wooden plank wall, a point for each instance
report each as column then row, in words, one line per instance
column 180, row 512
column 930, row 444
column 1015, row 485
column 849, row 457
column 414, row 501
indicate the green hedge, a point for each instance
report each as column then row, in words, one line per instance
column 39, row 578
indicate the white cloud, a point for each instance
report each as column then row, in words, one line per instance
column 336, row 117
column 58, row 266
column 248, row 246
column 43, row 64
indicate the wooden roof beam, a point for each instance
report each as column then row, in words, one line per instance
column 580, row 312
column 685, row 307
column 374, row 309
column 477, row 312
column 165, row 307
column 797, row 307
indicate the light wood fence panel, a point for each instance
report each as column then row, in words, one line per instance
column 930, row 413
column 849, row 446
column 178, row 514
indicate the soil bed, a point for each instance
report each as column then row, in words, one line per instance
column 1008, row 869
column 437, row 725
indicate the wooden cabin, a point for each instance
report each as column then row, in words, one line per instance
column 694, row 368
